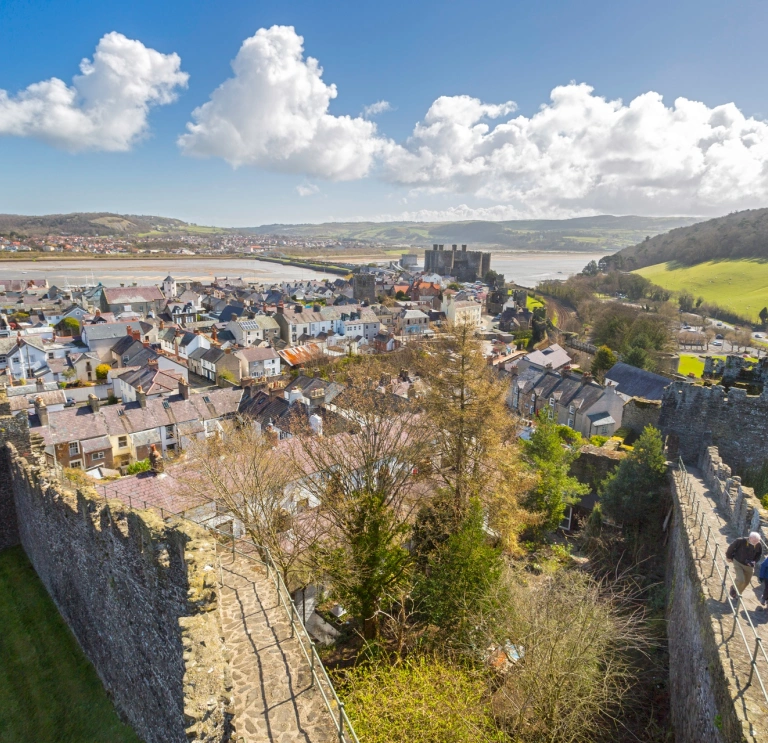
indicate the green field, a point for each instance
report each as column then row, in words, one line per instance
column 49, row 692
column 531, row 303
column 740, row 286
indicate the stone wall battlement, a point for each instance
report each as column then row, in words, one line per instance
column 739, row 502
column 139, row 593
column 694, row 417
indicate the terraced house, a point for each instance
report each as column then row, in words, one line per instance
column 572, row 400
column 115, row 435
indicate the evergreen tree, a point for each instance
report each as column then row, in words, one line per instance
column 551, row 451
column 632, row 492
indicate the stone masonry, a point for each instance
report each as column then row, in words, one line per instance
column 694, row 417
column 138, row 593
column 190, row 644
column 715, row 693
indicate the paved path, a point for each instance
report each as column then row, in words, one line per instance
column 736, row 655
column 273, row 699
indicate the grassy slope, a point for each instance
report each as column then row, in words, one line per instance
column 49, row 692
column 740, row 285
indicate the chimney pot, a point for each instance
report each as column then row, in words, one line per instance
column 42, row 411
column 184, row 389
column 93, row 403
column 141, row 397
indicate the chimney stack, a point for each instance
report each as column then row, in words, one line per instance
column 40, row 384
column 184, row 389
column 42, row 411
column 141, row 397
column 94, row 403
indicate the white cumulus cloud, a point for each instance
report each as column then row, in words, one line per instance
column 377, row 108
column 274, row 114
column 581, row 154
column 307, row 189
column 107, row 105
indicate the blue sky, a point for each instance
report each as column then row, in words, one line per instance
column 475, row 156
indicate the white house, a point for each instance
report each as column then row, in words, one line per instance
column 260, row 362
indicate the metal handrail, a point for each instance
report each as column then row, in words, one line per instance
column 694, row 501
column 319, row 675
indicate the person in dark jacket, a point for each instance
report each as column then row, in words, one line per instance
column 763, row 577
column 744, row 553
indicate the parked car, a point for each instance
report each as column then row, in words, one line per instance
column 719, row 336
column 717, row 343
column 70, row 403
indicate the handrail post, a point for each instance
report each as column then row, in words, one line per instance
column 341, row 722
column 312, row 663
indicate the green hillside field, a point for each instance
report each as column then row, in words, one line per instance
column 739, row 285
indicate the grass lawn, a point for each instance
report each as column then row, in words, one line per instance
column 532, row 303
column 690, row 363
column 741, row 286
column 49, row 692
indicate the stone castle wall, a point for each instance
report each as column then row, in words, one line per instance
column 639, row 413
column 138, row 593
column 694, row 417
column 16, row 430
column 697, row 684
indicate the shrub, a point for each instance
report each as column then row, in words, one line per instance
column 598, row 440
column 424, row 699
column 459, row 573
column 142, row 465
column 102, row 371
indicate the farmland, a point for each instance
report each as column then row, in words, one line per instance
column 738, row 285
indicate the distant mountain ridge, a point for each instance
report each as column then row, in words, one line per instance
column 87, row 223
column 604, row 232
column 740, row 235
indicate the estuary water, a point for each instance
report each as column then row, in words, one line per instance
column 525, row 268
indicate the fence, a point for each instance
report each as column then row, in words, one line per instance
column 320, row 679
column 697, row 509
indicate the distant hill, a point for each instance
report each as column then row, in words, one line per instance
column 603, row 232
column 93, row 224
column 736, row 236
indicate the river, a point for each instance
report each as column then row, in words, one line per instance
column 524, row 268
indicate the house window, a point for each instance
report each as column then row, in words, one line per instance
column 97, row 455
column 3, row 359
column 566, row 523
column 50, row 354
column 570, row 423
column 551, row 402
column 122, row 442
column 550, row 414
column 571, row 409
column 74, row 448
column 76, row 465
column 169, row 432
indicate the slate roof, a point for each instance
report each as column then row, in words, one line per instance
column 634, row 382
column 554, row 355
column 49, row 397
column 232, row 309
column 108, row 330
column 258, row 354
column 81, row 424
column 152, row 381
column 260, row 322
column 155, row 491
column 129, row 294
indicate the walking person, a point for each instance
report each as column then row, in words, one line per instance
column 762, row 576
column 743, row 553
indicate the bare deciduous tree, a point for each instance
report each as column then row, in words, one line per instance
column 247, row 475
column 368, row 479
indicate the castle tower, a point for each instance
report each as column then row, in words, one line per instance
column 169, row 287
